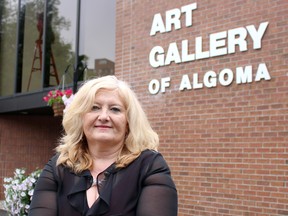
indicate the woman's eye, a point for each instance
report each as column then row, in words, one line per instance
column 115, row 109
column 95, row 108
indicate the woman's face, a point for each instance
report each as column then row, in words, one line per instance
column 106, row 123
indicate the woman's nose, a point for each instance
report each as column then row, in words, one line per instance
column 103, row 115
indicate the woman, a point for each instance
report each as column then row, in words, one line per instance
column 106, row 163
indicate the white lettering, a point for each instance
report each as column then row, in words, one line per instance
column 217, row 46
column 173, row 18
column 262, row 73
column 165, row 83
column 154, row 86
column 156, row 56
column 185, row 52
column 172, row 54
column 257, row 35
column 185, row 83
column 196, row 84
column 198, row 49
column 237, row 36
column 244, row 75
column 209, row 79
column 188, row 11
column 217, row 40
column 157, row 25
column 225, row 77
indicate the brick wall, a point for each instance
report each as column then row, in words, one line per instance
column 226, row 146
column 26, row 142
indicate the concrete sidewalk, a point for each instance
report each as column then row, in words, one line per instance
column 3, row 213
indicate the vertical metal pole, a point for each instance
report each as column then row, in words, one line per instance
column 20, row 46
column 76, row 73
column 44, row 39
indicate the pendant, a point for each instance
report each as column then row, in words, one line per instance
column 96, row 182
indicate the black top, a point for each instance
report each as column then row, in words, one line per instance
column 144, row 188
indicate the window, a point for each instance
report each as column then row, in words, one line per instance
column 97, row 37
column 38, row 48
column 59, row 47
column 8, row 32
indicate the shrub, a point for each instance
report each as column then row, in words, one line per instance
column 19, row 191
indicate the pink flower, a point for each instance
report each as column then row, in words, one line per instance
column 55, row 96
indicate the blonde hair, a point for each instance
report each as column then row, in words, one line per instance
column 73, row 147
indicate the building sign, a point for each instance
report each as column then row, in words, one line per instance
column 236, row 37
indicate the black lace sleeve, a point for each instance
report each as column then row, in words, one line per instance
column 44, row 201
column 159, row 194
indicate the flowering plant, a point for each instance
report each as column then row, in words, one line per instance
column 55, row 96
column 19, row 191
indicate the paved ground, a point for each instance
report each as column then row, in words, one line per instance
column 3, row 213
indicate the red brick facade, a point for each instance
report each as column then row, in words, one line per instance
column 26, row 142
column 227, row 145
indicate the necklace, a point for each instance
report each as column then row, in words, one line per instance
column 96, row 182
